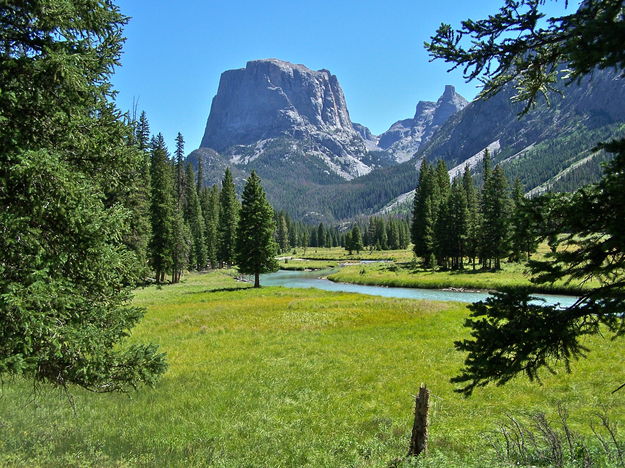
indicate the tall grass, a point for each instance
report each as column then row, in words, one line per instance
column 277, row 377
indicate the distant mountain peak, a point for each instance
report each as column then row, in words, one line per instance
column 405, row 137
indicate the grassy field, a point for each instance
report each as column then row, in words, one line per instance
column 299, row 264
column 289, row 378
column 404, row 275
column 341, row 255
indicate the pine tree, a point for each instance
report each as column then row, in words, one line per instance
column 356, row 239
column 349, row 245
column 66, row 162
column 255, row 245
column 195, row 220
column 472, row 246
column 321, row 235
column 142, row 133
column 423, row 218
column 228, row 220
column 496, row 220
column 458, row 219
column 137, row 194
column 179, row 173
column 523, row 235
column 283, row 234
column 162, row 211
column 210, row 210
column 181, row 244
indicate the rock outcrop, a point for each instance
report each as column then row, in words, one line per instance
column 405, row 137
column 272, row 100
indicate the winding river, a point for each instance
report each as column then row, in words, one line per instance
column 314, row 279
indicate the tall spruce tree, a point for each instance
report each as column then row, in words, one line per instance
column 179, row 171
column 472, row 244
column 137, row 194
column 228, row 220
column 496, row 219
column 523, row 232
column 210, row 210
column 356, row 239
column 195, row 219
column 66, row 161
column 283, row 234
column 255, row 245
column 162, row 211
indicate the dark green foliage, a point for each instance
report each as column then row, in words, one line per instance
column 195, row 219
column 585, row 228
column 210, row 210
column 472, row 243
column 496, row 210
column 163, row 209
column 283, row 234
column 68, row 166
column 228, row 220
column 423, row 214
column 255, row 245
column 499, row 348
column 353, row 241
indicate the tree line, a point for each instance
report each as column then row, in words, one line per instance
column 180, row 225
column 456, row 220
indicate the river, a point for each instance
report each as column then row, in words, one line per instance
column 312, row 279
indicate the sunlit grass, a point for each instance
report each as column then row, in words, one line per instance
column 405, row 275
column 277, row 377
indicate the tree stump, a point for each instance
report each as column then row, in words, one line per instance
column 419, row 438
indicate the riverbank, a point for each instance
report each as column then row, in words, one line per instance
column 405, row 276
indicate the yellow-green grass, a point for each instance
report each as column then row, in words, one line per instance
column 404, row 275
column 299, row 264
column 342, row 255
column 289, row 378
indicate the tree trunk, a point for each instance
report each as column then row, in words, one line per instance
column 419, row 438
column 256, row 280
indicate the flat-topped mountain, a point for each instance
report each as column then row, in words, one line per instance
column 271, row 102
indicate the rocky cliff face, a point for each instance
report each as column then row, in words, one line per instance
column 271, row 100
column 405, row 137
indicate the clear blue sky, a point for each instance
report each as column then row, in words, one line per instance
column 176, row 51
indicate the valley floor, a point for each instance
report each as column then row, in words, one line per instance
column 394, row 268
column 276, row 377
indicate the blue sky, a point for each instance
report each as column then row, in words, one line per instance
column 175, row 53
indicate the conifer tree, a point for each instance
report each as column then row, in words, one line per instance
column 255, row 245
column 472, row 245
column 68, row 163
column 458, row 219
column 162, row 210
column 136, row 192
column 195, row 219
column 142, row 133
column 356, row 239
column 321, row 235
column 523, row 235
column 496, row 218
column 210, row 210
column 228, row 220
column 349, row 246
column 283, row 234
column 179, row 171
column 181, row 246
column 422, row 217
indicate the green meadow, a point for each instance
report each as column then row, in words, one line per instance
column 281, row 377
column 407, row 276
